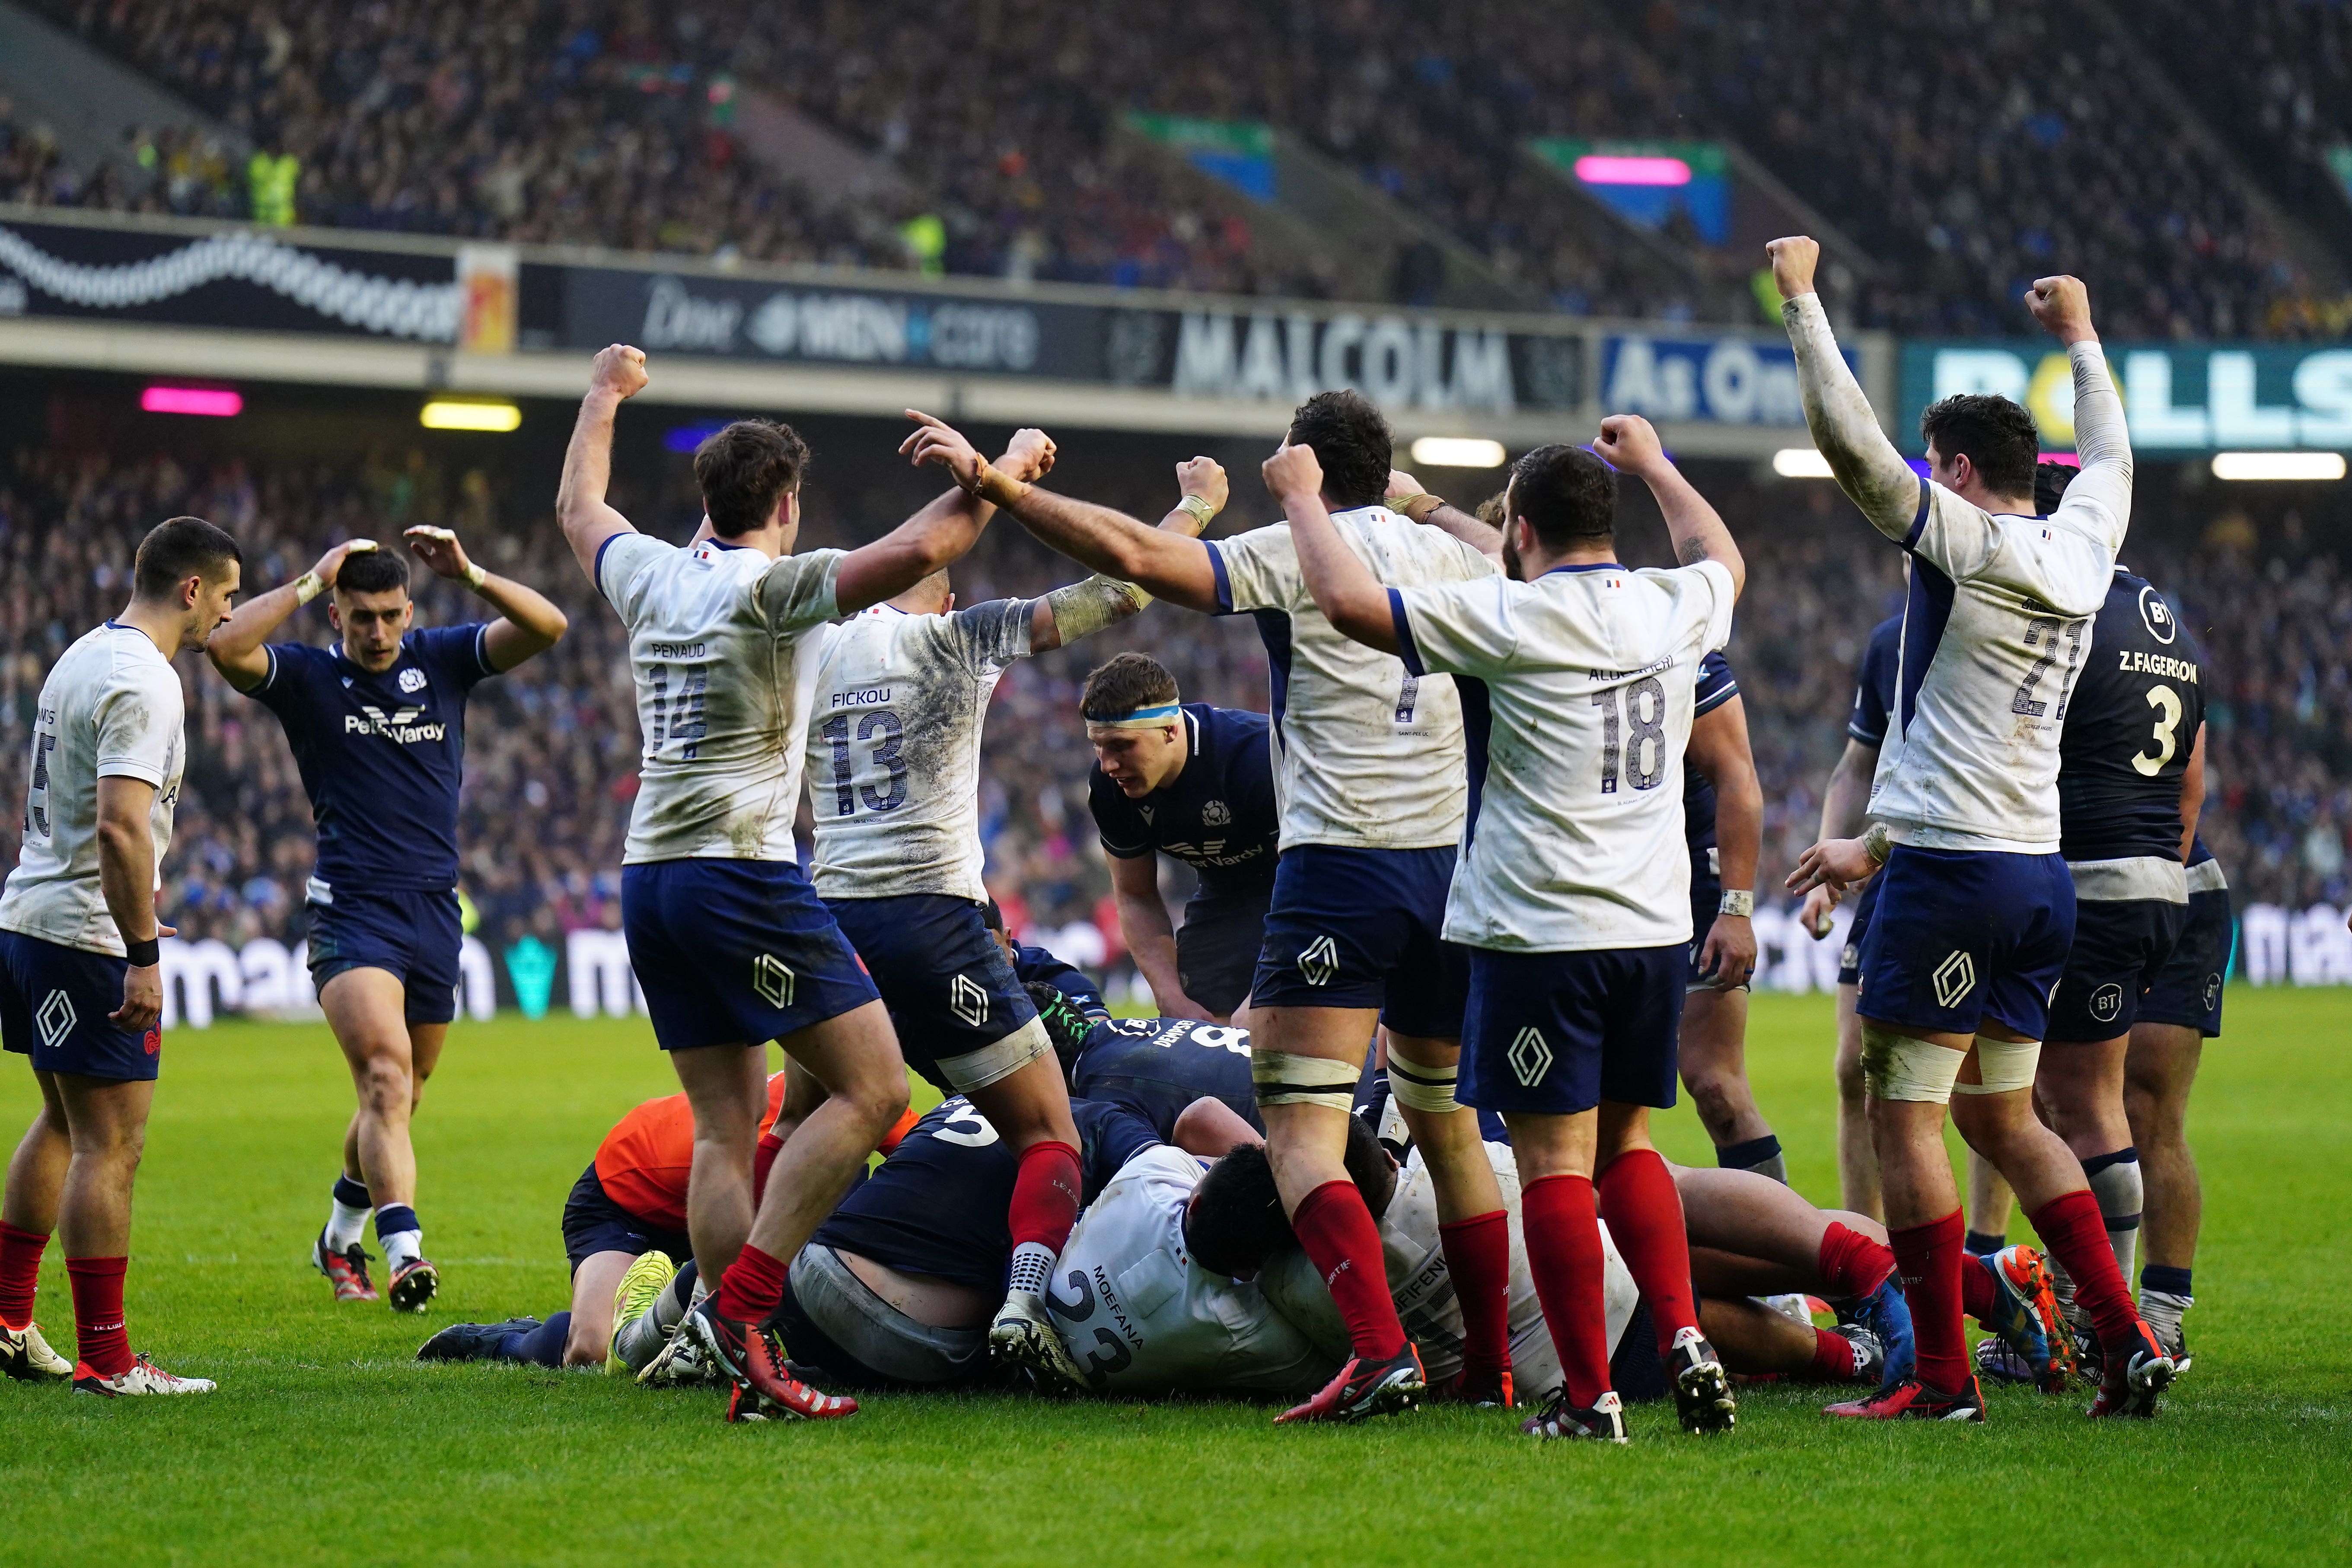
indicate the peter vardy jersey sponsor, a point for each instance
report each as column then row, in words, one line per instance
column 381, row 753
column 1219, row 816
column 2131, row 726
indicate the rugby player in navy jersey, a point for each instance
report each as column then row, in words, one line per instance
column 1842, row 802
column 1723, row 823
column 1155, row 1068
column 378, row 727
column 1037, row 965
column 1194, row 783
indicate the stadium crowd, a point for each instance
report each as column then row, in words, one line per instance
column 551, row 762
column 1964, row 169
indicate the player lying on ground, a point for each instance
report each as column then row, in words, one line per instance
column 378, row 728
column 81, row 983
column 894, row 749
column 731, row 945
column 1976, row 907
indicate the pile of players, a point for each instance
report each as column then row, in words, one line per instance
column 1503, row 786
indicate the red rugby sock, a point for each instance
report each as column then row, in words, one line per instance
column 1478, row 1260
column 1046, row 1196
column 752, row 1285
column 1833, row 1357
column 1337, row 1230
column 1564, row 1256
column 1852, row 1264
column 898, row 1133
column 1645, row 1219
column 2077, row 1235
column 97, row 1313
column 763, row 1160
column 1979, row 1295
column 20, row 1273
column 1929, row 1257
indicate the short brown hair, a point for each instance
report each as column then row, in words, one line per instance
column 745, row 469
column 177, row 550
column 1131, row 681
column 2000, row 440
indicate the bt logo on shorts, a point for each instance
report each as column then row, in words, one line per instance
column 55, row 1019
column 2212, row 989
column 1530, row 1057
column 774, row 980
column 1320, row 961
column 1954, row 978
column 968, row 1000
column 2106, row 1001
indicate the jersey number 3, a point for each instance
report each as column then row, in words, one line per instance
column 2166, row 701
column 879, row 727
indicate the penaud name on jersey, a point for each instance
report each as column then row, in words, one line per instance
column 1218, row 815
column 380, row 754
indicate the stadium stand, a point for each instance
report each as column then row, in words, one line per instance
column 551, row 757
column 1964, row 166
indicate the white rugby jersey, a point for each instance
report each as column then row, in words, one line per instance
column 1365, row 752
column 1998, row 623
column 719, row 645
column 1423, row 1290
column 1579, row 689
column 1142, row 1318
column 111, row 708
column 894, row 747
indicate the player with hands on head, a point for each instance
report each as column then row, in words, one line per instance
column 730, row 942
column 1372, row 793
column 1976, row 907
column 1573, row 894
column 377, row 727
column 894, row 753
column 82, row 983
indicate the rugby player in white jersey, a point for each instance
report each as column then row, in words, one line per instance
column 1976, row 907
column 1573, row 894
column 1368, row 765
column 729, row 944
column 893, row 740
column 81, row 982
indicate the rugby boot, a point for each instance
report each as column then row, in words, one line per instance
column 25, row 1356
column 413, row 1285
column 1885, row 1316
column 2025, row 1316
column 762, row 1388
column 2133, row 1377
column 472, row 1342
column 1024, row 1336
column 2176, row 1346
column 1911, row 1400
column 141, row 1376
column 1604, row 1422
column 1702, row 1390
column 1869, row 1354
column 346, row 1270
column 1364, row 1389
column 1488, row 1389
column 640, row 1288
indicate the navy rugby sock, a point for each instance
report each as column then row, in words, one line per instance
column 543, row 1346
column 1761, row 1155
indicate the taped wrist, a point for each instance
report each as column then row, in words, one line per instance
column 1282, row 1078
column 1084, row 608
column 996, row 486
column 2004, row 1067
column 307, row 586
column 1897, row 1067
column 1200, row 509
column 1418, row 1086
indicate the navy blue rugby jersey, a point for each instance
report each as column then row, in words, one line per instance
column 1039, row 964
column 938, row 1205
column 381, row 753
column 1716, row 686
column 1873, row 683
column 2130, row 725
column 1156, row 1067
column 1218, row 815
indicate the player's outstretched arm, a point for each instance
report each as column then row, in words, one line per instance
column 1150, row 935
column 1408, row 500
column 237, row 650
column 2103, row 441
column 528, row 624
column 1342, row 586
column 1719, row 748
column 617, row 374
column 1210, row 1129
column 1868, row 468
column 1082, row 609
column 943, row 531
column 1628, row 444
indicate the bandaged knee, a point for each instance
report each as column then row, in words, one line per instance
column 994, row 1064
column 1897, row 1067
column 1420, row 1087
column 1282, row 1078
column 2003, row 1066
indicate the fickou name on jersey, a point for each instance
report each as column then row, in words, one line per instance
column 400, row 726
column 2131, row 661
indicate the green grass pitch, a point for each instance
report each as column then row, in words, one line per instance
column 328, row 1442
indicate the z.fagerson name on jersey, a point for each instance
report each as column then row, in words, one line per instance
column 399, row 726
column 2130, row 661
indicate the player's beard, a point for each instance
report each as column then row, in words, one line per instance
column 1511, row 560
